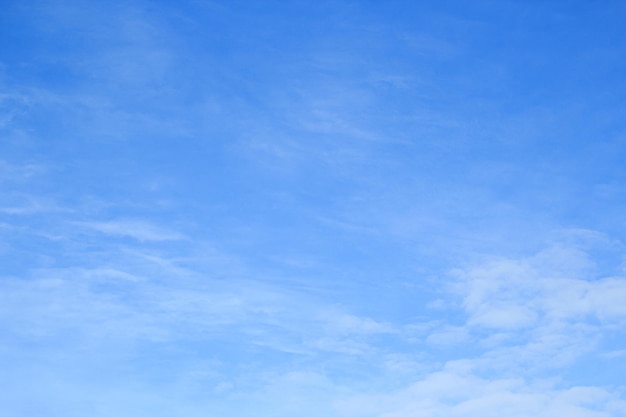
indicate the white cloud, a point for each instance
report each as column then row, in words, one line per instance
column 456, row 391
column 448, row 335
column 24, row 205
column 137, row 229
column 19, row 172
column 503, row 316
column 351, row 324
column 535, row 313
column 508, row 293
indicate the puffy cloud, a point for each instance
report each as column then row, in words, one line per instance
column 456, row 391
column 557, row 284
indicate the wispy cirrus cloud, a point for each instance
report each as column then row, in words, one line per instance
column 137, row 229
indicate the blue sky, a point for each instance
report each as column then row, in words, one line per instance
column 312, row 208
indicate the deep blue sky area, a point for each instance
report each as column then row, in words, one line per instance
column 305, row 208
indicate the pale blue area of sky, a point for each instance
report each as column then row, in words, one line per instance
column 312, row 208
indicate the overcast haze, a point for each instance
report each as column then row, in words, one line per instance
column 312, row 208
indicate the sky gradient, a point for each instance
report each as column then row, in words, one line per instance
column 312, row 208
